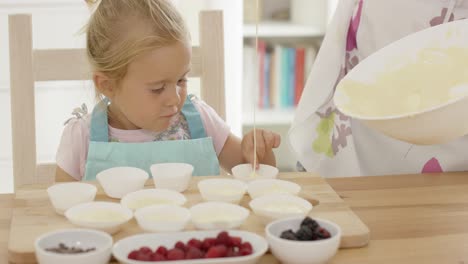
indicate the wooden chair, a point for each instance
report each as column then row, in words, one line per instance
column 28, row 65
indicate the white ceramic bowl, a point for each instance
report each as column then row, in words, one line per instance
column 259, row 188
column 413, row 126
column 222, row 190
column 162, row 218
column 245, row 172
column 174, row 176
column 276, row 206
column 123, row 247
column 104, row 216
column 66, row 195
column 119, row 181
column 302, row 252
column 149, row 197
column 218, row 215
column 82, row 238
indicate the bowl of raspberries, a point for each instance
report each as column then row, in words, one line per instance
column 300, row 240
column 234, row 247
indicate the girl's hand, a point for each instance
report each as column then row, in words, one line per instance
column 266, row 142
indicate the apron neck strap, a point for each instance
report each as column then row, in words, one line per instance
column 193, row 119
column 99, row 130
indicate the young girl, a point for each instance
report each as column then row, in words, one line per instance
column 140, row 52
column 334, row 145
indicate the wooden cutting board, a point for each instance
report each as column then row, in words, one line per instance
column 34, row 215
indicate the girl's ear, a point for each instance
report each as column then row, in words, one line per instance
column 104, row 84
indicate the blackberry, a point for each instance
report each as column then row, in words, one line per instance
column 311, row 223
column 305, row 233
column 289, row 235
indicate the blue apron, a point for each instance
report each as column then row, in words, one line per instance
column 197, row 151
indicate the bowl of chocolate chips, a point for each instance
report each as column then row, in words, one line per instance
column 74, row 246
column 300, row 240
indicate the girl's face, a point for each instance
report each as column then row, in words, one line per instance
column 154, row 89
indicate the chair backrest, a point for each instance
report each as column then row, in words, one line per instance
column 28, row 65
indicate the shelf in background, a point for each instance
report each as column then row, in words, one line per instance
column 269, row 117
column 275, row 29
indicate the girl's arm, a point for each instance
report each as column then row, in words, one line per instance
column 236, row 151
column 231, row 154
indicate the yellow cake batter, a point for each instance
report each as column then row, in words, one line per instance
column 435, row 77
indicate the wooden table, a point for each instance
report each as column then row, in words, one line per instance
column 412, row 218
column 6, row 207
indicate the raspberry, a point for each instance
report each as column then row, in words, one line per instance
column 157, row 257
column 230, row 252
column 246, row 249
column 133, row 255
column 322, row 233
column 218, row 251
column 208, row 243
column 223, row 238
column 146, row 250
column 195, row 243
column 193, row 253
column 144, row 256
column 235, row 241
column 220, row 246
column 162, row 250
column 233, row 252
column 175, row 254
column 180, row 245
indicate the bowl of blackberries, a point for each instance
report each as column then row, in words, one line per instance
column 300, row 240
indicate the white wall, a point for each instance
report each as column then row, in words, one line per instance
column 331, row 8
column 56, row 24
column 232, row 48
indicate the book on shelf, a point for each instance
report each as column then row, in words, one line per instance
column 281, row 75
column 299, row 73
column 261, row 72
column 250, row 79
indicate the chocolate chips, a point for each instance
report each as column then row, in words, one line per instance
column 63, row 249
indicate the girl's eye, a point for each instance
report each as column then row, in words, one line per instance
column 182, row 82
column 157, row 90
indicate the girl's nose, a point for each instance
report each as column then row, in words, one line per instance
column 173, row 97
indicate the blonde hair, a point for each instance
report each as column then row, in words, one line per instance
column 120, row 30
